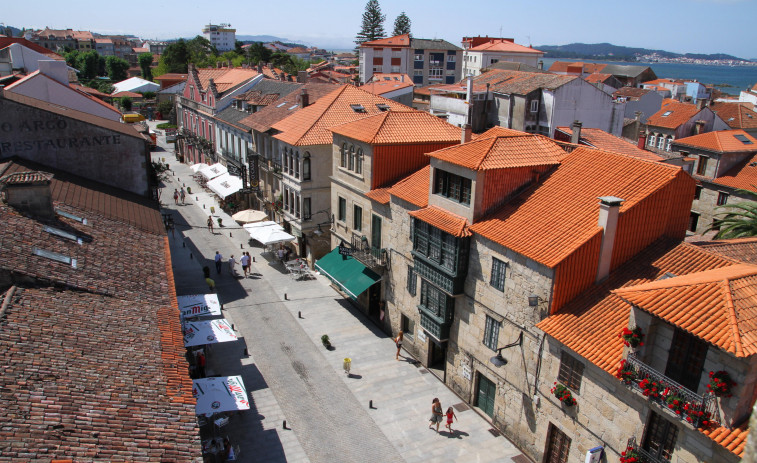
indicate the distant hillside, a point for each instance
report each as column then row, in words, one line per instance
column 10, row 31
column 608, row 51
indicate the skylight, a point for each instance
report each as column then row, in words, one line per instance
column 71, row 216
column 63, row 234
column 358, row 108
column 743, row 139
column 667, row 113
column 292, row 107
column 382, row 106
column 282, row 104
column 54, row 256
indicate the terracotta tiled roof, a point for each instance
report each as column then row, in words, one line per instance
column 742, row 175
column 732, row 439
column 443, row 220
column 677, row 114
column 399, row 127
column 631, row 92
column 126, row 93
column 395, row 42
column 413, row 188
column 224, row 78
column 386, row 83
column 263, row 119
column 499, row 152
column 7, row 41
column 556, row 217
column 723, row 141
column 171, row 76
column 380, row 195
column 505, row 46
column 740, row 249
column 598, row 138
column 736, row 115
column 597, row 77
column 310, row 126
column 520, row 82
column 718, row 306
column 498, row 131
column 19, row 178
column 589, row 325
column 89, row 91
column 562, row 66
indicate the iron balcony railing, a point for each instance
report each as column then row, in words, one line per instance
column 643, row 456
column 367, row 254
column 669, row 388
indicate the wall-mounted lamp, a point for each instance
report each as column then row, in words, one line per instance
column 498, row 360
column 318, row 231
column 533, row 300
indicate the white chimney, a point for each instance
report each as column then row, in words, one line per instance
column 575, row 136
column 56, row 70
column 609, row 209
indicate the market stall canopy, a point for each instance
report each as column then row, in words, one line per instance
column 347, row 272
column 225, row 185
column 196, row 167
column 271, row 235
column 211, row 172
column 208, row 332
column 220, row 394
column 198, row 305
column 249, row 216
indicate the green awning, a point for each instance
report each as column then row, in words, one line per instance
column 346, row 271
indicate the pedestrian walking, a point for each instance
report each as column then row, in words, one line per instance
column 219, row 261
column 210, row 223
column 211, row 284
column 245, row 263
column 281, row 254
column 232, row 266
column 176, row 196
column 182, row 194
column 450, row 415
column 436, row 414
column 201, row 364
column 398, row 343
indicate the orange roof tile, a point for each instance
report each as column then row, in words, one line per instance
column 732, row 439
column 598, row 138
column 736, row 115
column 311, row 125
column 399, row 127
column 380, row 195
column 743, row 175
column 718, row 306
column 562, row 66
column 672, row 114
column 224, row 78
column 723, row 141
column 550, row 221
column 394, row 42
column 498, row 131
column 597, row 77
column 443, row 220
column 514, row 150
column 381, row 86
column 740, row 249
column 503, row 45
column 413, row 188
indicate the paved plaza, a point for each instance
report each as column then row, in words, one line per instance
column 289, row 374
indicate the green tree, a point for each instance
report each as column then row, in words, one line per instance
column 126, row 103
column 175, row 58
column 737, row 220
column 402, row 25
column 257, row 53
column 117, row 68
column 145, row 61
column 238, row 48
column 105, row 87
column 372, row 27
column 281, row 59
column 87, row 64
column 201, row 52
column 72, row 58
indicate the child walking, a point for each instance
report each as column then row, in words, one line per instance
column 450, row 416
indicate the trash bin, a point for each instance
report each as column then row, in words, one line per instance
column 347, row 364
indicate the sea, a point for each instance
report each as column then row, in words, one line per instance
column 727, row 79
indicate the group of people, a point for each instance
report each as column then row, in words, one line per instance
column 245, row 261
column 177, row 194
column 437, row 416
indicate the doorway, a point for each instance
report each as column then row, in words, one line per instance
column 485, row 395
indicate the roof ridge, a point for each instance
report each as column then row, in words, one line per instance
column 378, row 129
column 732, row 318
column 493, row 141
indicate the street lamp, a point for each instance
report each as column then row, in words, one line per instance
column 318, row 231
column 533, row 300
column 498, row 360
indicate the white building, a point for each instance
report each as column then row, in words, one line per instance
column 223, row 37
column 749, row 96
column 482, row 52
column 135, row 84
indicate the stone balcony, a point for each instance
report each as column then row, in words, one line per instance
column 370, row 256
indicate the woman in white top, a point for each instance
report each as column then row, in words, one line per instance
column 232, row 264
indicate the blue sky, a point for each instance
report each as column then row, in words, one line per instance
column 694, row 26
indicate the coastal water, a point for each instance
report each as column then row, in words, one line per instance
column 729, row 79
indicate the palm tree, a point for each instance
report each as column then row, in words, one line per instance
column 737, row 220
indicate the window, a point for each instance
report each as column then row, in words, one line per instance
column 659, row 437
column 306, row 166
column 408, row 326
column 412, row 281
column 297, row 164
column 452, row 186
column 491, row 333
column 419, row 57
column 667, row 143
column 396, row 69
column 571, row 372
column 498, row 274
column 435, row 73
column 660, row 142
column 418, row 72
column 698, row 192
column 342, row 209
column 343, row 162
column 558, row 446
column 722, row 198
column 297, row 205
column 651, row 141
column 702, row 166
column 693, row 221
column 433, row 299
column 351, row 158
column 686, row 359
column 357, row 217
column 306, row 208
column 451, row 58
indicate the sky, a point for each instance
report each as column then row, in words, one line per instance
column 681, row 26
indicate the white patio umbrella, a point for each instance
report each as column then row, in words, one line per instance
column 197, row 305
column 272, row 235
column 211, row 172
column 208, row 332
column 221, row 394
column 197, row 167
column 249, row 216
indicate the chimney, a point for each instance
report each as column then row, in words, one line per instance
column 540, row 66
column 637, row 115
column 260, row 67
column 642, row 139
column 465, row 137
column 302, row 76
column 29, row 192
column 304, row 98
column 698, row 127
column 701, row 103
column 575, row 137
column 609, row 209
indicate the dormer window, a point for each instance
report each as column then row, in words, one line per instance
column 358, row 108
column 452, row 186
column 667, row 113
